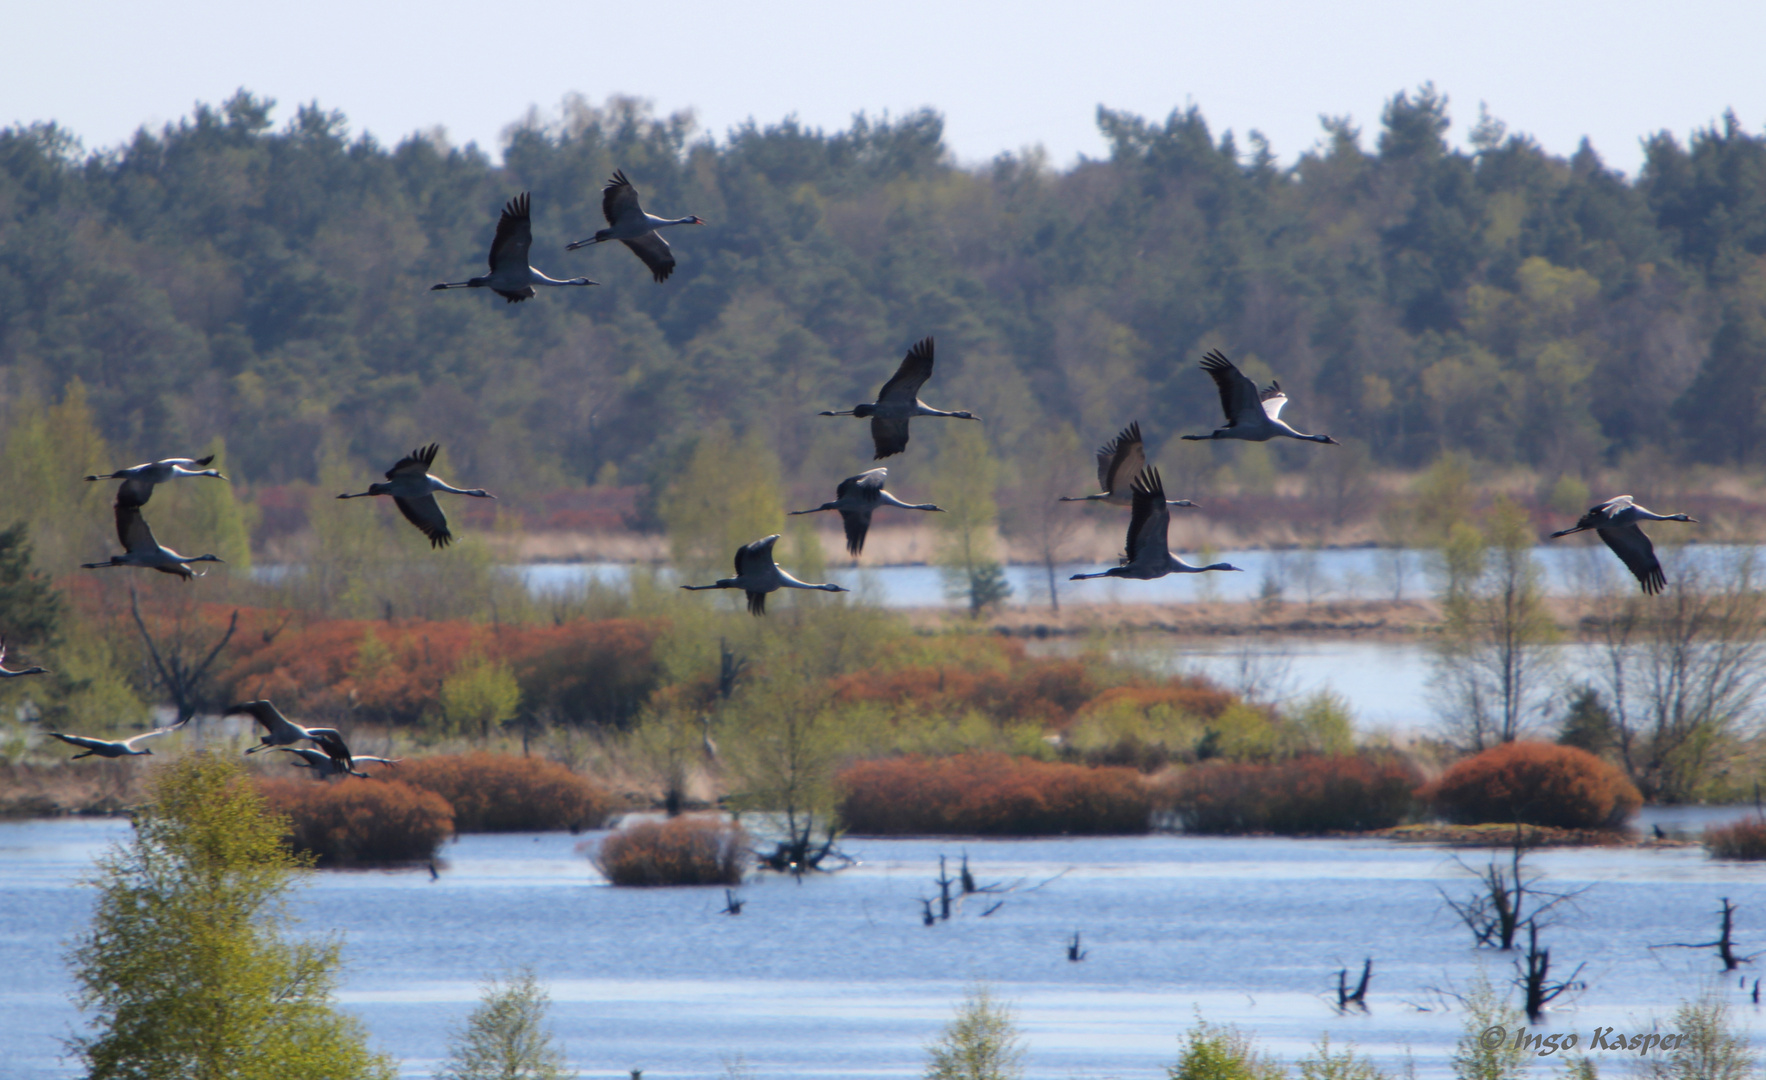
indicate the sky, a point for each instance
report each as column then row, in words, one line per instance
column 1005, row 76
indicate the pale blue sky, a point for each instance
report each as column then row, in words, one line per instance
column 1005, row 75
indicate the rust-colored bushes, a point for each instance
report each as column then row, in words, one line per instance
column 1534, row 783
column 682, row 851
column 361, row 823
column 1349, row 793
column 505, row 793
column 991, row 795
column 1740, row 840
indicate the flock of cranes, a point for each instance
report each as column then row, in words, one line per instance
column 1252, row 414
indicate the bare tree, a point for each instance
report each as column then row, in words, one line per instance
column 1683, row 672
column 1493, row 668
column 1506, row 899
column 1052, row 466
column 176, row 665
column 1533, row 976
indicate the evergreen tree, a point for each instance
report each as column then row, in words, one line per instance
column 185, row 969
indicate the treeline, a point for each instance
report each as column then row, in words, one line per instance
column 226, row 277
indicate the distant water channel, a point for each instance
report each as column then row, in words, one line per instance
column 837, row 977
column 1299, row 575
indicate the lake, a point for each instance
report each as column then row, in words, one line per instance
column 836, row 976
column 1308, row 575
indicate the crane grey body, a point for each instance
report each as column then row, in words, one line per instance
column 325, row 767
column 757, row 574
column 1119, row 461
column 413, row 491
column 899, row 401
column 1149, row 553
column 630, row 225
column 511, row 277
column 856, row 498
column 1251, row 414
column 1616, row 522
column 138, row 480
column 280, row 731
column 112, row 748
column 5, row 674
column 142, row 550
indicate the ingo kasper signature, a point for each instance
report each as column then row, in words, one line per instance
column 1602, row 1039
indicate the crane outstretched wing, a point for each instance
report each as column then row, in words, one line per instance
column 1150, row 518
column 654, row 251
column 889, row 436
column 1122, row 458
column 425, row 513
column 757, row 557
column 415, row 463
column 619, row 200
column 1238, row 394
column 514, row 236
column 132, row 529
column 915, row 369
column 1272, row 400
column 867, row 485
column 1637, row 553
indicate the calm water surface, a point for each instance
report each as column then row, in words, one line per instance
column 837, row 976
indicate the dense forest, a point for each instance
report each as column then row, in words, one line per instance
column 225, row 276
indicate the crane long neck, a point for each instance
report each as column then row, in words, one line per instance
column 884, row 496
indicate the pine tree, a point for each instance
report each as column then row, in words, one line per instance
column 185, row 969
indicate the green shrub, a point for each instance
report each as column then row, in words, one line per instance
column 1222, row 1052
column 1534, row 783
column 360, row 823
column 506, row 793
column 682, row 851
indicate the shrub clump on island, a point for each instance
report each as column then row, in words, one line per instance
column 1534, row 783
column 978, row 794
column 506, row 793
column 681, row 851
column 1300, row 797
column 1740, row 840
column 358, row 823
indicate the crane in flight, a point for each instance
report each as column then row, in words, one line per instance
column 630, row 225
column 757, row 574
column 1616, row 522
column 511, row 277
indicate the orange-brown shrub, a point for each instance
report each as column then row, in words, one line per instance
column 1349, row 793
column 683, row 851
column 361, row 822
column 505, row 793
column 991, row 795
column 1534, row 783
column 1741, row 840
column 392, row 672
column 988, row 676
